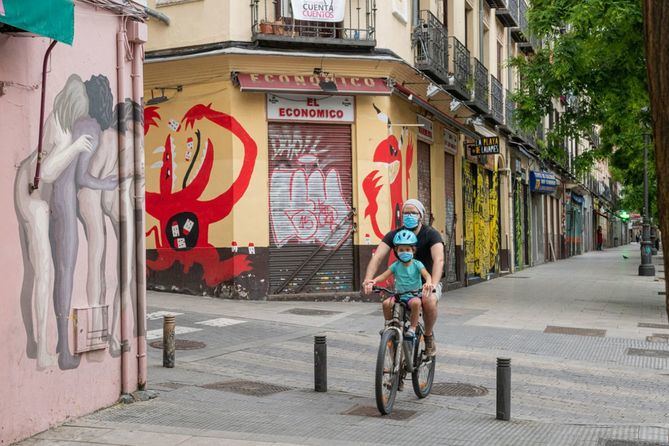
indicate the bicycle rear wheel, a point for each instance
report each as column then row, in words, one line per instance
column 423, row 374
column 386, row 377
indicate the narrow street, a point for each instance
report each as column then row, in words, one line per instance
column 607, row 382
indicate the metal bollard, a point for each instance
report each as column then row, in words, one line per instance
column 169, row 324
column 320, row 364
column 503, row 389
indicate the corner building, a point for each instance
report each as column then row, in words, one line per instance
column 280, row 145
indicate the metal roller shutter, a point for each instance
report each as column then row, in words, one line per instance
column 449, row 242
column 311, row 219
column 424, row 180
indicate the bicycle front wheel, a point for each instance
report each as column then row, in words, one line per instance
column 423, row 374
column 386, row 375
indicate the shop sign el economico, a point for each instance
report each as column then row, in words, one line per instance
column 312, row 108
column 485, row 146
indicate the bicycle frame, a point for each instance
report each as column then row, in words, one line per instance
column 400, row 319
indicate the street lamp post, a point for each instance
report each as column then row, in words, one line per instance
column 646, row 268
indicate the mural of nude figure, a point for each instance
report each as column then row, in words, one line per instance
column 64, row 207
column 33, row 212
column 96, row 204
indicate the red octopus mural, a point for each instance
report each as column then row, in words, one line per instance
column 183, row 234
column 389, row 152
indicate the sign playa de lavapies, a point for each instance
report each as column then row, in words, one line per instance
column 484, row 146
column 318, row 10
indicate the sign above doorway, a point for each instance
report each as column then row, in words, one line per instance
column 484, row 146
column 300, row 108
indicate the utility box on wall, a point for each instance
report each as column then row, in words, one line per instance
column 91, row 328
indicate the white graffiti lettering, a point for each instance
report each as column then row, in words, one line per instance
column 308, row 207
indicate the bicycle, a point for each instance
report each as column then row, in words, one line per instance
column 392, row 363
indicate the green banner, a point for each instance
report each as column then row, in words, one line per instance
column 48, row 18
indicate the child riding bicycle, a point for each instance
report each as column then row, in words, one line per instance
column 407, row 273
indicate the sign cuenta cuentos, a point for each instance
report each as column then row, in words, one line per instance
column 298, row 108
column 485, row 146
column 319, row 10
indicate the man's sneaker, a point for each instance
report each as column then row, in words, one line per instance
column 430, row 346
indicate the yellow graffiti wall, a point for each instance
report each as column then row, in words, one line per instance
column 481, row 209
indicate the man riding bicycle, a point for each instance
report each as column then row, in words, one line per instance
column 429, row 251
column 407, row 273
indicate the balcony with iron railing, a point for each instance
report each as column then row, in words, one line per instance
column 509, row 108
column 519, row 33
column 530, row 45
column 274, row 23
column 496, row 100
column 507, row 13
column 459, row 70
column 430, row 45
column 481, row 87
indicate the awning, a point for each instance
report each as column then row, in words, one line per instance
column 52, row 18
column 576, row 198
column 310, row 84
column 484, row 131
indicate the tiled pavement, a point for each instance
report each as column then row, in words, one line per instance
column 566, row 389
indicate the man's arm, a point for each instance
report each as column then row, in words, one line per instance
column 373, row 266
column 437, row 251
column 428, row 279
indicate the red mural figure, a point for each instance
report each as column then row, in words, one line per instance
column 183, row 235
column 388, row 152
column 151, row 118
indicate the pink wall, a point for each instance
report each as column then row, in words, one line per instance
column 38, row 387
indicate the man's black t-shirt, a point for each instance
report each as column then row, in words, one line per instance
column 427, row 238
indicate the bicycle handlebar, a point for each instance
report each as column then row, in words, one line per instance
column 378, row 290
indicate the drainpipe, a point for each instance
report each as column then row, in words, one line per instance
column 38, row 164
column 140, row 241
column 126, row 237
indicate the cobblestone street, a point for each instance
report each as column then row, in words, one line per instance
column 597, row 386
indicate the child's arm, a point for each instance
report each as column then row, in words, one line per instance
column 387, row 273
column 427, row 279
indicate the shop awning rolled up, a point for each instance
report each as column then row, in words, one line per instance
column 48, row 18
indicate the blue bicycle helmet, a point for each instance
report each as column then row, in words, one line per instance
column 405, row 237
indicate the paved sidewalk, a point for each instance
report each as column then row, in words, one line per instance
column 593, row 387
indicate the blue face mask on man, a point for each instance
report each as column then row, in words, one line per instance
column 410, row 221
column 405, row 257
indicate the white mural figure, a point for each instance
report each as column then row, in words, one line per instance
column 64, row 229
column 33, row 211
column 98, row 199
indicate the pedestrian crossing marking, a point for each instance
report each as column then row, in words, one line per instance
column 158, row 333
column 220, row 322
column 160, row 314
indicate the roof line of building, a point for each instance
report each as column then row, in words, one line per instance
column 245, row 48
